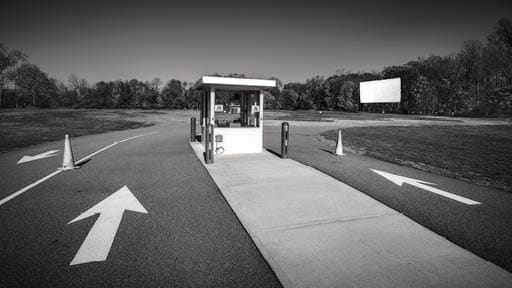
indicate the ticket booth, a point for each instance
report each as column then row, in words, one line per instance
column 235, row 108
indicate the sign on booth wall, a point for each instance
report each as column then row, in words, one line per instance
column 380, row 91
column 219, row 108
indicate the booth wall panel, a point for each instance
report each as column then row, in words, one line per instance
column 240, row 140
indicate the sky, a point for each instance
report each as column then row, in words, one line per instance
column 291, row 40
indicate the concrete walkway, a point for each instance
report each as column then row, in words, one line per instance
column 315, row 231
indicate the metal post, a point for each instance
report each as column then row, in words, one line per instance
column 285, row 129
column 209, row 144
column 193, row 129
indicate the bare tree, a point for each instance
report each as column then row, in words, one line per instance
column 34, row 82
column 78, row 85
column 156, row 82
column 9, row 59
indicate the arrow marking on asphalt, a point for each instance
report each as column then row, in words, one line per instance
column 400, row 180
column 38, row 156
column 98, row 242
column 26, row 188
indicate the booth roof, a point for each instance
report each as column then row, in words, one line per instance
column 226, row 82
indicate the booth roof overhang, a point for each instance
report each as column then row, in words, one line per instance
column 227, row 83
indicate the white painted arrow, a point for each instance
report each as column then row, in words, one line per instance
column 400, row 180
column 97, row 244
column 38, row 156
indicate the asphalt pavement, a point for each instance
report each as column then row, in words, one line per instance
column 484, row 229
column 189, row 236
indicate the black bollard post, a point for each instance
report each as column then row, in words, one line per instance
column 193, row 129
column 285, row 129
column 209, row 144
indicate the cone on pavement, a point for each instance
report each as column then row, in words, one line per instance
column 68, row 162
column 339, row 145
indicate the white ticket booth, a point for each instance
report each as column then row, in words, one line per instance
column 235, row 108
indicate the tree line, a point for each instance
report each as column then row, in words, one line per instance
column 31, row 87
column 475, row 81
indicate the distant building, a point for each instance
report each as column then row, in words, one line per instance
column 9, row 85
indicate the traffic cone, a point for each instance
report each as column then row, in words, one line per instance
column 68, row 162
column 339, row 145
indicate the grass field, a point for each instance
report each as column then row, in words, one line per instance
column 470, row 149
column 26, row 127
column 478, row 154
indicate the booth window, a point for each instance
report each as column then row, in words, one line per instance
column 237, row 109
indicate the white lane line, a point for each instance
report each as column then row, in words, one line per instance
column 25, row 189
column 137, row 136
column 110, row 146
column 94, row 153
